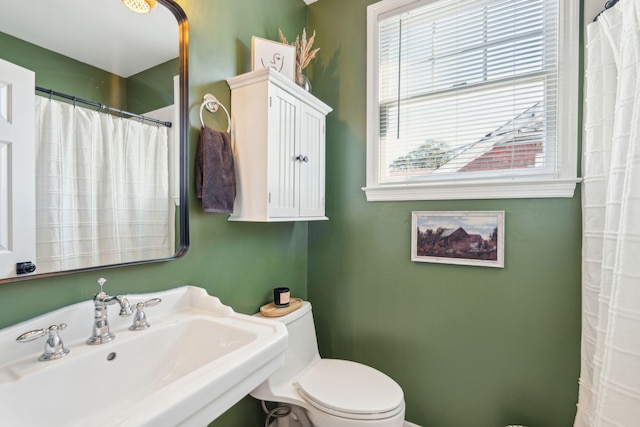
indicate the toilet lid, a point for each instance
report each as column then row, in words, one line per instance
column 349, row 387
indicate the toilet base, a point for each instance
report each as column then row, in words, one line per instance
column 301, row 417
column 406, row 424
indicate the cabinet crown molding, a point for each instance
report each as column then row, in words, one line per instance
column 278, row 79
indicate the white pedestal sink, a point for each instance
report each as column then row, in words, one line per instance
column 196, row 360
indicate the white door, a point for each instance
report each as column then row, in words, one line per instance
column 17, row 168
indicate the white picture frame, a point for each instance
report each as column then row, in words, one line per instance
column 458, row 237
column 277, row 56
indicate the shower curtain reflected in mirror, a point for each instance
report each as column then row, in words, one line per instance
column 609, row 393
column 102, row 189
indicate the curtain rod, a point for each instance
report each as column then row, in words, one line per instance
column 101, row 106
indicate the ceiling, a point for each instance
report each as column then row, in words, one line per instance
column 102, row 33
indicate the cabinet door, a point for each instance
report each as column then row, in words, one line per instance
column 283, row 169
column 312, row 155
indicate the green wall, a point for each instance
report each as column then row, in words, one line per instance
column 470, row 346
column 238, row 262
column 151, row 89
column 63, row 74
column 142, row 92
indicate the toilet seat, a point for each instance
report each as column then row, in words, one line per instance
column 350, row 390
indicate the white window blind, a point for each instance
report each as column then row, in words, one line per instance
column 468, row 90
column 468, row 87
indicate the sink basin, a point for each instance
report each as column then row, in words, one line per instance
column 196, row 361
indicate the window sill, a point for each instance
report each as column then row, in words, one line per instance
column 497, row 189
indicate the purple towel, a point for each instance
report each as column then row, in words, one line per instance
column 215, row 171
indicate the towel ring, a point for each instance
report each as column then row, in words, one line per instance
column 211, row 103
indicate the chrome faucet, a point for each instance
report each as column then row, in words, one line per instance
column 53, row 348
column 140, row 322
column 101, row 333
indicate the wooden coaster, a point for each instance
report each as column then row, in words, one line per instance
column 270, row 310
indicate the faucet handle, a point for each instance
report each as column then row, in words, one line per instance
column 151, row 302
column 101, row 281
column 31, row 335
column 53, row 348
column 140, row 319
column 37, row 333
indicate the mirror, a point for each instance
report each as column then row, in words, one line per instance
column 115, row 191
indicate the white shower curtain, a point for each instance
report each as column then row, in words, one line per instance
column 102, row 192
column 609, row 391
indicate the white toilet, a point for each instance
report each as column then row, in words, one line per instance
column 328, row 392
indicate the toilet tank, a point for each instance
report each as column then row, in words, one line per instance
column 301, row 352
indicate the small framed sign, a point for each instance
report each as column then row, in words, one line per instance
column 467, row 238
column 277, row 56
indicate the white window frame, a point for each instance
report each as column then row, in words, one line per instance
column 562, row 185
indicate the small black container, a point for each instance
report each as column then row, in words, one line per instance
column 281, row 297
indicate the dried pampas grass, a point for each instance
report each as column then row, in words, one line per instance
column 304, row 51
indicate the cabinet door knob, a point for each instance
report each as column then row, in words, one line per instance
column 302, row 158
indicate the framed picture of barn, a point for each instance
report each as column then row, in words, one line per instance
column 467, row 238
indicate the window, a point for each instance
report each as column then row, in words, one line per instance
column 472, row 99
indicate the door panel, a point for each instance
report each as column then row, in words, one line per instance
column 283, row 148
column 312, row 172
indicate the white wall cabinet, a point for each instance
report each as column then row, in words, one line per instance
column 279, row 145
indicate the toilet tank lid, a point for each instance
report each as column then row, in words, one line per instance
column 290, row 317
